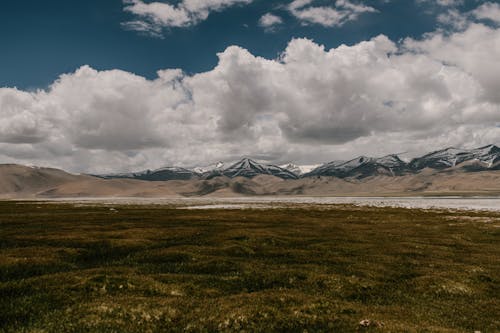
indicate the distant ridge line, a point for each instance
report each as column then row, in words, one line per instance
column 469, row 160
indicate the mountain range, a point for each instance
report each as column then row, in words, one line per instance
column 449, row 171
column 472, row 160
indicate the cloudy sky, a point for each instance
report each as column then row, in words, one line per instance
column 109, row 86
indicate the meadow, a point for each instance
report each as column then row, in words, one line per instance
column 300, row 268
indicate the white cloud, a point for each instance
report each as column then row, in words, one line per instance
column 343, row 12
column 269, row 21
column 20, row 122
column 442, row 3
column 147, row 28
column 91, row 112
column 152, row 17
column 315, row 96
column 453, row 19
column 475, row 51
column 310, row 105
column 488, row 11
column 450, row 2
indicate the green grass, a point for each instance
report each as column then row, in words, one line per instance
column 304, row 268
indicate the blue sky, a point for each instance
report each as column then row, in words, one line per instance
column 43, row 39
column 110, row 86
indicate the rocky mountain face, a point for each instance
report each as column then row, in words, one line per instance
column 479, row 159
column 362, row 167
column 293, row 168
column 249, row 168
column 484, row 158
column 469, row 160
column 169, row 173
column 246, row 167
column 299, row 170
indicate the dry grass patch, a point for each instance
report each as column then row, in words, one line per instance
column 67, row 268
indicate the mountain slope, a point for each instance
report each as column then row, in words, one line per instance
column 362, row 167
column 19, row 180
column 167, row 173
column 484, row 158
column 299, row 170
column 249, row 168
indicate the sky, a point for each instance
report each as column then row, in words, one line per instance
column 113, row 86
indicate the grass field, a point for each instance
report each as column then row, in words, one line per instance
column 65, row 268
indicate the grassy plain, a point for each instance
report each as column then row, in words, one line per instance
column 303, row 268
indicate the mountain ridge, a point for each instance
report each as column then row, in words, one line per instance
column 20, row 182
column 469, row 160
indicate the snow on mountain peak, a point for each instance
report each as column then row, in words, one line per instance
column 452, row 157
column 299, row 169
column 249, row 168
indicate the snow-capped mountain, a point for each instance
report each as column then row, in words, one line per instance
column 249, row 168
column 324, row 169
column 209, row 168
column 479, row 159
column 292, row 168
column 299, row 169
column 246, row 167
column 484, row 158
column 362, row 167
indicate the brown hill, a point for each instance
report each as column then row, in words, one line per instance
column 102, row 188
column 22, row 181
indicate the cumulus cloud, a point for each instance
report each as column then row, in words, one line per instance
column 20, row 121
column 474, row 51
column 318, row 96
column 269, row 21
column 152, row 17
column 488, row 11
column 310, row 105
column 453, row 19
column 328, row 16
column 109, row 112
